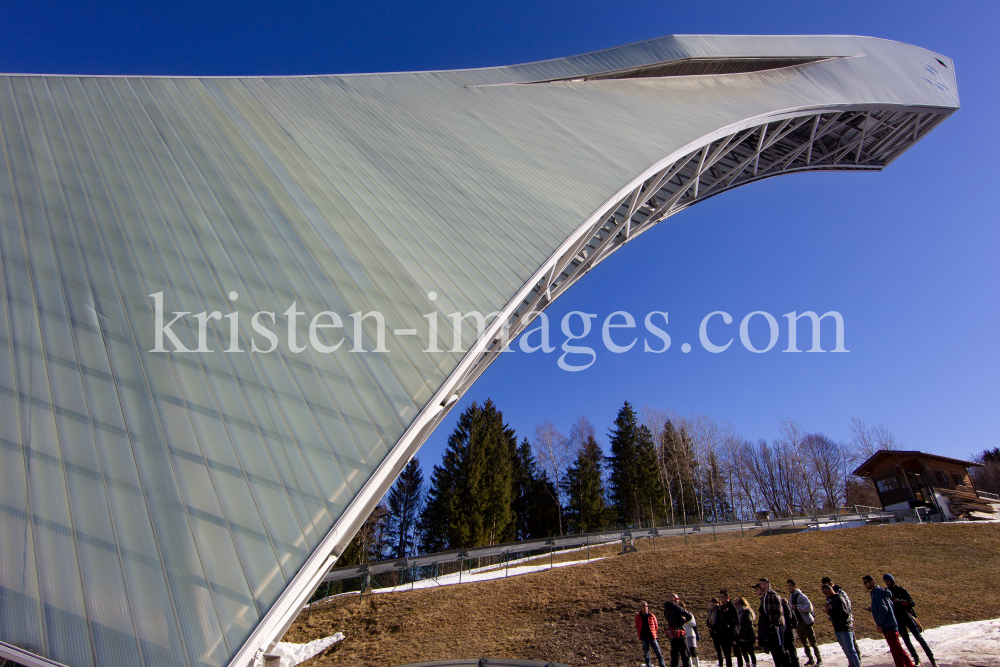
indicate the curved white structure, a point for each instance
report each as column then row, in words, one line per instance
column 171, row 493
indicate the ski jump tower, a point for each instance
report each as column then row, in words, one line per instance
column 171, row 490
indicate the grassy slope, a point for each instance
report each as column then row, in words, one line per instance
column 583, row 615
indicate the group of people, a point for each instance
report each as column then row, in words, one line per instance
column 731, row 621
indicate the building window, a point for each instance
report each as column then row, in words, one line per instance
column 942, row 477
column 959, row 480
column 887, row 484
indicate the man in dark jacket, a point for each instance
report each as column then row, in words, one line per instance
column 885, row 621
column 727, row 622
column 646, row 627
column 788, row 639
column 838, row 607
column 771, row 624
column 902, row 607
column 675, row 618
column 840, row 591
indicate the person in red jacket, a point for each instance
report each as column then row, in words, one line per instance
column 645, row 627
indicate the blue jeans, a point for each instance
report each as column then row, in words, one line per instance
column 646, row 643
column 846, row 640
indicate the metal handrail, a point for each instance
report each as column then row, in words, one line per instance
column 596, row 539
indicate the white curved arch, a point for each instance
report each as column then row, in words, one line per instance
column 849, row 137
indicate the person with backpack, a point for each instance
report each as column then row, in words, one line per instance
column 771, row 624
column 838, row 607
column 906, row 619
column 840, row 591
column 646, row 627
column 791, row 625
column 802, row 607
column 745, row 656
column 675, row 617
column 885, row 620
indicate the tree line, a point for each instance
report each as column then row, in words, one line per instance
column 660, row 469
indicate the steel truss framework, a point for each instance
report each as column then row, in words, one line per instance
column 852, row 138
column 843, row 140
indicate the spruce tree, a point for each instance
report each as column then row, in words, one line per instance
column 544, row 507
column 585, row 489
column 469, row 501
column 495, row 484
column 404, row 507
column 649, row 491
column 523, row 489
column 624, row 460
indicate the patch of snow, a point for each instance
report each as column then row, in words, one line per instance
column 843, row 524
column 293, row 654
column 482, row 574
column 973, row 644
column 477, row 574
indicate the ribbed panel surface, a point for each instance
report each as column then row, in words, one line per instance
column 153, row 506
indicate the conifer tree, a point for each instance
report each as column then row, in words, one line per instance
column 469, row 501
column 404, row 508
column 533, row 493
column 585, row 488
column 624, row 479
column 522, row 486
column 496, row 442
column 649, row 491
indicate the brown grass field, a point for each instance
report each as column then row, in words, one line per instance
column 583, row 614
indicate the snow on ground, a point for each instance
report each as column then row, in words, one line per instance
column 480, row 574
column 975, row 644
column 293, row 654
column 476, row 574
column 964, row 644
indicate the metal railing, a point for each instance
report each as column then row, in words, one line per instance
column 503, row 552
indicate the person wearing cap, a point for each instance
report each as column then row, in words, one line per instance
column 838, row 608
column 675, row 617
column 771, row 623
column 902, row 607
column 843, row 594
column 885, row 620
column 645, row 627
column 803, row 608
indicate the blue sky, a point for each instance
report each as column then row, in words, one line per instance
column 908, row 256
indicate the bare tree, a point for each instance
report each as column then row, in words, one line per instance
column 579, row 434
column 749, row 479
column 706, row 436
column 730, row 449
column 553, row 454
column 826, row 465
column 865, row 440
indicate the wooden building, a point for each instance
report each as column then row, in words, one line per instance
column 911, row 479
